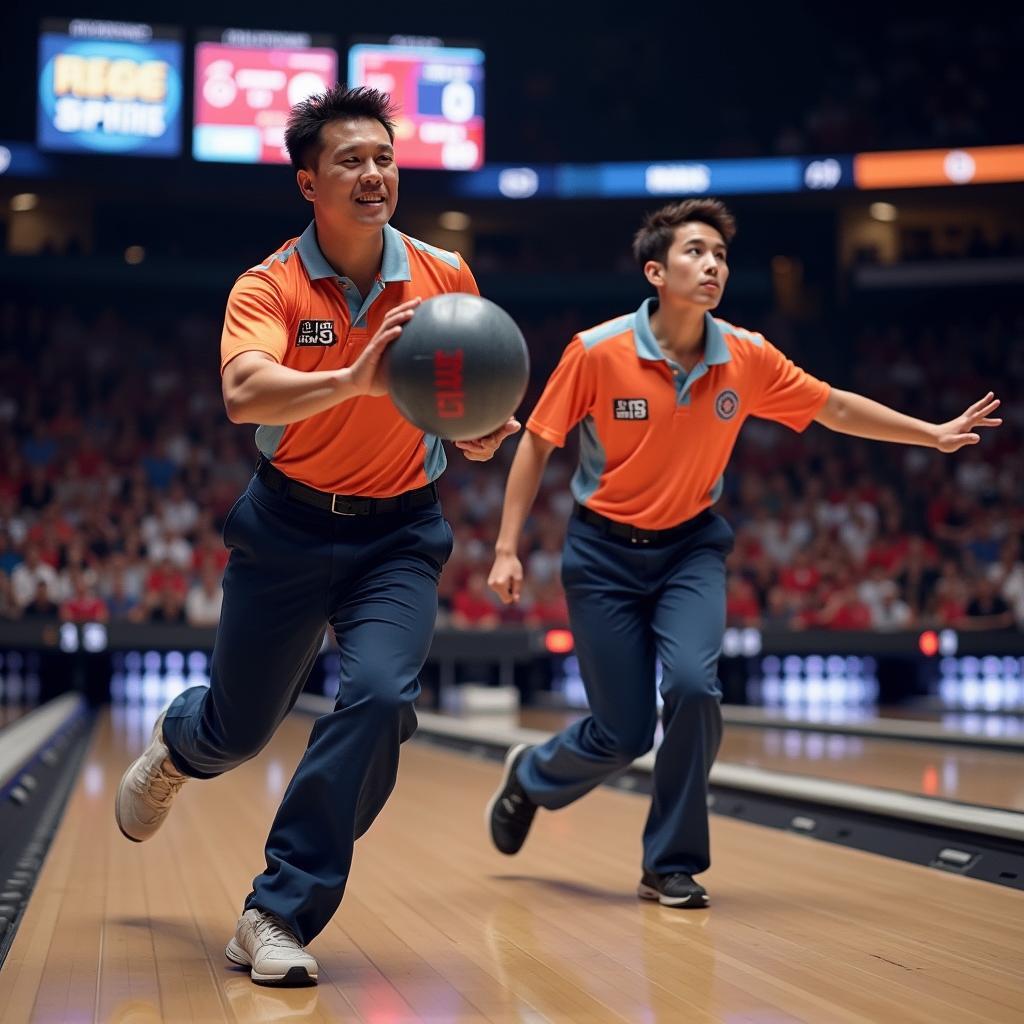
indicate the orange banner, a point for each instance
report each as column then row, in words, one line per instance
column 918, row 168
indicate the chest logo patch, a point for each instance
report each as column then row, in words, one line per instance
column 727, row 404
column 630, row 408
column 315, row 332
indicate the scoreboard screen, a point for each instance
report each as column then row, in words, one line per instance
column 439, row 92
column 246, row 83
column 109, row 87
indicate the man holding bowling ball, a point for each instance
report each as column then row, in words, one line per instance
column 339, row 527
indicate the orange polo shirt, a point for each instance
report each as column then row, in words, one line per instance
column 654, row 440
column 299, row 311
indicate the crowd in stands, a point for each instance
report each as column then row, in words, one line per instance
column 118, row 466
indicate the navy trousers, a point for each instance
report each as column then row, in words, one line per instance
column 293, row 571
column 629, row 607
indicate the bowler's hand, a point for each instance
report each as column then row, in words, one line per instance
column 952, row 436
column 506, row 578
column 483, row 448
column 367, row 375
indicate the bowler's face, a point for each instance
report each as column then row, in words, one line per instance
column 356, row 178
column 696, row 267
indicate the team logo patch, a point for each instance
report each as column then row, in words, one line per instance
column 726, row 404
column 630, row 408
column 315, row 332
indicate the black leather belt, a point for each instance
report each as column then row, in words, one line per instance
column 342, row 504
column 637, row 536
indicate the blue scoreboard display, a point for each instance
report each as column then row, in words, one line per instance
column 110, row 87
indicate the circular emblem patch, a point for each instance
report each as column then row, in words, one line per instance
column 726, row 404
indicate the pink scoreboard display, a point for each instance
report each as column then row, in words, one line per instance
column 246, row 82
column 439, row 92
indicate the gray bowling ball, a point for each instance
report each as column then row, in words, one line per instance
column 460, row 367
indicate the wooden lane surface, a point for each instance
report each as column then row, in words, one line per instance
column 438, row 927
column 973, row 775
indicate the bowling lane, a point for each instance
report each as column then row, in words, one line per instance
column 974, row 775
column 438, row 927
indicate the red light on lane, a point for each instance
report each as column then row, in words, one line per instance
column 558, row 641
column 928, row 643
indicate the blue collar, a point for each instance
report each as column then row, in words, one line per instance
column 394, row 264
column 716, row 351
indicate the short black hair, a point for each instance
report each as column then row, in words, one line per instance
column 339, row 103
column 654, row 239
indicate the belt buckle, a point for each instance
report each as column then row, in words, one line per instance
column 635, row 537
column 336, row 510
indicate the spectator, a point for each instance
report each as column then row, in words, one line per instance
column 208, row 550
column 949, row 600
column 122, row 603
column 178, row 511
column 987, row 609
column 170, row 547
column 545, row 563
column 741, row 605
column 158, row 466
column 919, row 575
column 168, row 607
column 983, row 541
column 473, row 607
column 82, row 605
column 801, row 576
column 165, row 577
column 891, row 612
column 9, row 557
column 37, row 492
column 778, row 613
column 13, row 473
column 786, row 534
column 12, row 520
column 202, row 606
column 39, row 450
column 9, row 608
column 1008, row 575
column 874, row 590
column 548, row 607
column 41, row 605
column 74, row 559
column 30, row 575
column 845, row 610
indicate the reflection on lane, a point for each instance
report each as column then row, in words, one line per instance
column 971, row 775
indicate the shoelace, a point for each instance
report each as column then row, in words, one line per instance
column 515, row 805
column 272, row 932
column 162, row 788
column 678, row 875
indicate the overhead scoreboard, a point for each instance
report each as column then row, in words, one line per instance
column 246, row 82
column 109, row 87
column 439, row 92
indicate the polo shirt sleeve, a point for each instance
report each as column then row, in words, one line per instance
column 255, row 321
column 467, row 282
column 569, row 395
column 788, row 394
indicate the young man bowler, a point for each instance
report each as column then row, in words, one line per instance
column 660, row 395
